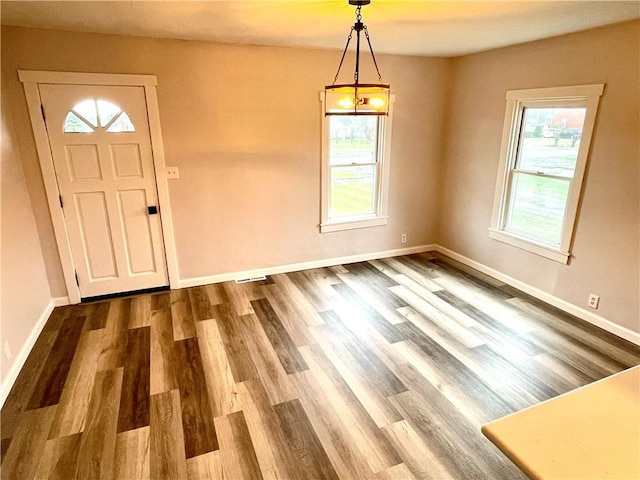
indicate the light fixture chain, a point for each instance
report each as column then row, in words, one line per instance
column 335, row 79
column 366, row 34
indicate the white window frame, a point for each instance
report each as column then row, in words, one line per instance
column 587, row 96
column 380, row 216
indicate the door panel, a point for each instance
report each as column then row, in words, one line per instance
column 126, row 161
column 95, row 231
column 83, row 162
column 99, row 139
column 136, row 227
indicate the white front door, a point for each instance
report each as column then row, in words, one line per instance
column 101, row 149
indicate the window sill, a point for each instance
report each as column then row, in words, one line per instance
column 353, row 224
column 536, row 248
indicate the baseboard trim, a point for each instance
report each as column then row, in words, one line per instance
column 598, row 321
column 21, row 358
column 61, row 301
column 292, row 267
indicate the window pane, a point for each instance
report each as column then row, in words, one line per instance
column 550, row 141
column 122, row 124
column 88, row 110
column 352, row 140
column 352, row 191
column 74, row 124
column 537, row 207
column 106, row 111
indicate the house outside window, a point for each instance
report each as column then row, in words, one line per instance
column 545, row 144
column 355, row 171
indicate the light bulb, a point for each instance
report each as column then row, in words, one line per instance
column 346, row 102
column 376, row 102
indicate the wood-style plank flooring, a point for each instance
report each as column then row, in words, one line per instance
column 376, row 370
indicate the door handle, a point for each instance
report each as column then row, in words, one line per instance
column 152, row 210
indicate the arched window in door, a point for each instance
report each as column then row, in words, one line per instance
column 89, row 115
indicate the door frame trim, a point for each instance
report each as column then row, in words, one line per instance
column 30, row 80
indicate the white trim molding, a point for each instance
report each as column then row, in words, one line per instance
column 61, row 301
column 353, row 224
column 294, row 267
column 598, row 321
column 533, row 247
column 23, row 354
column 31, row 80
column 73, row 78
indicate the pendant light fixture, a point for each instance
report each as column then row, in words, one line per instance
column 357, row 98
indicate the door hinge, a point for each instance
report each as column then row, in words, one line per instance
column 77, row 282
column 61, row 204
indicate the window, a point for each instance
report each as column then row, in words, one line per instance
column 85, row 116
column 544, row 151
column 355, row 171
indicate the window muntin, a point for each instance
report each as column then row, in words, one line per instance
column 106, row 112
column 543, row 158
column 89, row 115
column 355, row 170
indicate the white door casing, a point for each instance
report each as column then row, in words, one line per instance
column 106, row 180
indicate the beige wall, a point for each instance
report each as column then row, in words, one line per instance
column 243, row 125
column 606, row 246
column 24, row 289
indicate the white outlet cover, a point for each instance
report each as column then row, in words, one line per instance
column 173, row 172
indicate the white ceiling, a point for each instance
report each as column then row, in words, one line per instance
column 409, row 27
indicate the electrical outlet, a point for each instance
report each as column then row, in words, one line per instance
column 7, row 351
column 593, row 300
column 173, row 172
column 404, row 238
